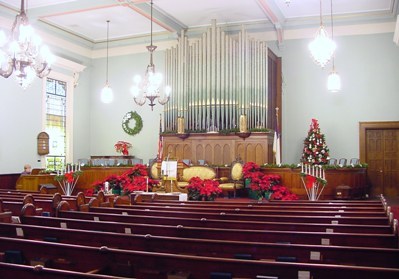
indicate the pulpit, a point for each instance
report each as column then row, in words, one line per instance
column 170, row 171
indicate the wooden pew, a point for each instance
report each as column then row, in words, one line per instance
column 104, row 200
column 243, row 224
column 262, row 206
column 371, row 203
column 381, row 257
column 145, row 264
column 255, row 211
column 5, row 216
column 237, row 215
column 8, row 270
column 48, row 203
column 16, row 207
column 45, row 205
column 121, row 222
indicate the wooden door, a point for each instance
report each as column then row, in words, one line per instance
column 380, row 150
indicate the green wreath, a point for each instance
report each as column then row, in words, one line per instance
column 138, row 123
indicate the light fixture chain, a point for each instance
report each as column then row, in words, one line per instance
column 321, row 14
column 151, row 21
column 106, row 73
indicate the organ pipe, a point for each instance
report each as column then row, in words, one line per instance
column 216, row 78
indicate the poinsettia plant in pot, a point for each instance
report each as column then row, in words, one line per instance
column 134, row 179
column 266, row 186
column 122, row 147
column 206, row 189
column 112, row 183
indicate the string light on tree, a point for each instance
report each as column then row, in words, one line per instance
column 315, row 150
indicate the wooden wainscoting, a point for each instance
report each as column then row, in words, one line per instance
column 217, row 149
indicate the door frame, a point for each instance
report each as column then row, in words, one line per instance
column 374, row 125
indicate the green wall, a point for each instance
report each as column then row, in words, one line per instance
column 367, row 64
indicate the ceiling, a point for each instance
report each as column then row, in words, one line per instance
column 86, row 19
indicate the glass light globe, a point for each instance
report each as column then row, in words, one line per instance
column 107, row 95
column 334, row 82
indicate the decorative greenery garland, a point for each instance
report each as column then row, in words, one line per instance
column 138, row 126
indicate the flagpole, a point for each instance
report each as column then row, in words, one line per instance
column 276, row 141
column 160, row 140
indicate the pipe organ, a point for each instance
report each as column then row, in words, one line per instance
column 216, row 78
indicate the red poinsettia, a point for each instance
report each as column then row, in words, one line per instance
column 137, row 170
column 89, row 192
column 123, row 147
column 134, row 179
column 207, row 188
column 266, row 184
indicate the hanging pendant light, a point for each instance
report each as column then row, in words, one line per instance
column 333, row 80
column 322, row 47
column 107, row 96
column 22, row 54
column 149, row 86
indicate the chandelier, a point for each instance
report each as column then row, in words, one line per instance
column 149, row 86
column 106, row 93
column 322, row 47
column 22, row 54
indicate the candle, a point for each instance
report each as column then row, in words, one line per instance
column 147, row 183
column 302, row 168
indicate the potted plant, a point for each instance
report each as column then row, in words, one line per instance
column 206, row 189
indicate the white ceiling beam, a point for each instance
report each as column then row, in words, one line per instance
column 274, row 15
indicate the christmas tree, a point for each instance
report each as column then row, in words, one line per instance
column 315, row 150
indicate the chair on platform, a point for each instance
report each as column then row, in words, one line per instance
column 153, row 169
column 109, row 162
column 186, row 161
column 83, row 162
column 354, row 161
column 122, row 162
column 235, row 181
column 342, row 162
column 136, row 161
column 201, row 162
column 332, row 162
column 98, row 162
